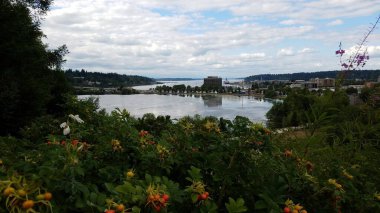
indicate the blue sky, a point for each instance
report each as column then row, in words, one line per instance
column 227, row 38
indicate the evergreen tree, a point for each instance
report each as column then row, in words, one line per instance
column 31, row 83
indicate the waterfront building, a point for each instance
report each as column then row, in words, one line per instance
column 323, row 82
column 212, row 82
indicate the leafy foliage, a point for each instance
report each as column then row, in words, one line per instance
column 197, row 164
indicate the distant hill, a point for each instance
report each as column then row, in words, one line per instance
column 358, row 74
column 84, row 78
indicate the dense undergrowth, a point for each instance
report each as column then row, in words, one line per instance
column 156, row 164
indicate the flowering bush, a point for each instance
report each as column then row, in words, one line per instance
column 117, row 163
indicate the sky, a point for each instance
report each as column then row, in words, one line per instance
column 198, row 38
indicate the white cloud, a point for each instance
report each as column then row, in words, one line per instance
column 328, row 9
column 306, row 50
column 285, row 52
column 289, row 22
column 299, row 9
column 252, row 56
column 307, row 10
column 263, row 7
column 335, row 22
column 162, row 37
column 373, row 51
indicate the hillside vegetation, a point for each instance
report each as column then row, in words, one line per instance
column 370, row 75
column 84, row 78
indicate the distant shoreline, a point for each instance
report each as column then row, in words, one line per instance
column 179, row 94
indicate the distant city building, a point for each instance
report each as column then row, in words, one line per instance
column 323, row 82
column 311, row 85
column 369, row 84
column 358, row 87
column 314, row 83
column 212, row 82
column 297, row 85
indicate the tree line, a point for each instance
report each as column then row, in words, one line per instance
column 98, row 79
column 359, row 74
column 32, row 83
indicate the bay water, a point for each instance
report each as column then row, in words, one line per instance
column 177, row 106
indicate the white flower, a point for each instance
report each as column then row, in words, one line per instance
column 76, row 118
column 66, row 130
column 63, row 125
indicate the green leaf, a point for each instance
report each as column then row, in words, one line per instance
column 136, row 209
column 194, row 198
column 195, row 173
column 209, row 207
column 93, row 197
column 83, row 189
column 79, row 203
column 109, row 187
column 101, row 199
column 148, row 178
column 79, row 171
column 260, row 205
column 236, row 206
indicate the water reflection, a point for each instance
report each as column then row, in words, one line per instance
column 177, row 106
column 212, row 100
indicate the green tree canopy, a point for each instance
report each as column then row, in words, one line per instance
column 31, row 83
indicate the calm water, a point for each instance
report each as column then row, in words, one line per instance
column 226, row 106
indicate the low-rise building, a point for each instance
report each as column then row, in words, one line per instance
column 297, row 85
column 369, row 84
column 323, row 82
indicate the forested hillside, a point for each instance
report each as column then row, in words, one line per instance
column 85, row 78
column 359, row 74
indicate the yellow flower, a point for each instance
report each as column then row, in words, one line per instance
column 209, row 125
column 347, row 175
column 298, row 207
column 377, row 196
column 332, row 181
column 188, row 126
column 311, row 178
column 289, row 202
column 355, row 166
column 336, row 184
column 115, row 142
column 130, row 173
column 162, row 151
column 116, row 146
column 212, row 126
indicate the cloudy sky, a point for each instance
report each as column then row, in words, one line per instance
column 227, row 38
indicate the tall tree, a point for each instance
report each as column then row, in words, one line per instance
column 31, row 83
